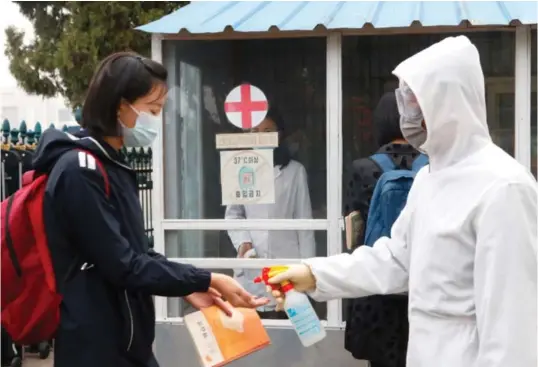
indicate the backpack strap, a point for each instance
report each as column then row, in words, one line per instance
column 9, row 240
column 419, row 162
column 383, row 161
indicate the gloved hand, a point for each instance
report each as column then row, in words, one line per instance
column 299, row 275
column 244, row 248
column 251, row 254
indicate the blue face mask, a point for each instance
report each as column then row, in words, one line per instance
column 144, row 132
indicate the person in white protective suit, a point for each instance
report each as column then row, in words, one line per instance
column 464, row 246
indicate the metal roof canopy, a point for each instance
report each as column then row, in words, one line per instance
column 275, row 19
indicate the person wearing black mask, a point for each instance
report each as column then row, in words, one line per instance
column 377, row 328
column 292, row 201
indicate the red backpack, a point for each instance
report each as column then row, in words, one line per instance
column 30, row 300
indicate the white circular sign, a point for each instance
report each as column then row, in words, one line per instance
column 246, row 106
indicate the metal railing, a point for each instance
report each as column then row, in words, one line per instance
column 17, row 149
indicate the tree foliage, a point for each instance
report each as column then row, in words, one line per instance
column 71, row 37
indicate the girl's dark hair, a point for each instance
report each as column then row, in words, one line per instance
column 121, row 76
column 281, row 154
column 387, row 120
column 274, row 114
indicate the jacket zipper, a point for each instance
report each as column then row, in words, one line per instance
column 9, row 241
column 131, row 321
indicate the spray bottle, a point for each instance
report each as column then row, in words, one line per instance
column 297, row 306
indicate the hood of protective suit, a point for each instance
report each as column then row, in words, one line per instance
column 448, row 82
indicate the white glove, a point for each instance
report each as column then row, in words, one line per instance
column 250, row 254
column 299, row 275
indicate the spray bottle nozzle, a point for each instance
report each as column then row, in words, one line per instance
column 268, row 273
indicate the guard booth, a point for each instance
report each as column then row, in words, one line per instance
column 324, row 65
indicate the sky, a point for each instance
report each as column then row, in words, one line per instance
column 10, row 15
column 30, row 108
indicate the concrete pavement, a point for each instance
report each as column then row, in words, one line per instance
column 32, row 360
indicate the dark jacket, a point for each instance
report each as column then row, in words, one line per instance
column 377, row 327
column 103, row 265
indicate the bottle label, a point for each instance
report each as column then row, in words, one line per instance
column 305, row 320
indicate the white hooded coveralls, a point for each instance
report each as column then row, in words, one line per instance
column 464, row 247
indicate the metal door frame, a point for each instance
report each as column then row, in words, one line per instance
column 334, row 223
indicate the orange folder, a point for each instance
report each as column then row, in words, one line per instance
column 220, row 339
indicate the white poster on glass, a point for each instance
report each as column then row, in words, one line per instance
column 247, row 177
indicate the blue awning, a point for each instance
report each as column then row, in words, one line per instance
column 261, row 16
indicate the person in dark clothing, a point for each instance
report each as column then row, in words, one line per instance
column 104, row 267
column 377, row 327
column 365, row 172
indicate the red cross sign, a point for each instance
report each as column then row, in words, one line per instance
column 246, row 106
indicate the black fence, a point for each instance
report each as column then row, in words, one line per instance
column 18, row 146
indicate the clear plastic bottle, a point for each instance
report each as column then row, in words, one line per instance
column 297, row 306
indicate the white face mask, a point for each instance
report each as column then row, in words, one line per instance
column 411, row 117
column 144, row 132
column 413, row 132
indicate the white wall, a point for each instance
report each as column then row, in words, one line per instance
column 16, row 105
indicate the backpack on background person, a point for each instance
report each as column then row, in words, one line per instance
column 377, row 327
column 390, row 195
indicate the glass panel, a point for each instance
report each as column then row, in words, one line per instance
column 503, row 112
column 345, row 309
column 177, row 307
column 497, row 54
column 291, row 73
column 225, row 244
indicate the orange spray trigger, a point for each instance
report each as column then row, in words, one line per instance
column 268, row 273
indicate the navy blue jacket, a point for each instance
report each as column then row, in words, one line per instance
column 104, row 267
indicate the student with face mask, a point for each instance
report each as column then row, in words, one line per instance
column 104, row 267
column 464, row 247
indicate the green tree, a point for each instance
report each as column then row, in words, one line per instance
column 71, row 37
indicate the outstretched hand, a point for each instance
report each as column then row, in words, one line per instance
column 210, row 298
column 234, row 293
